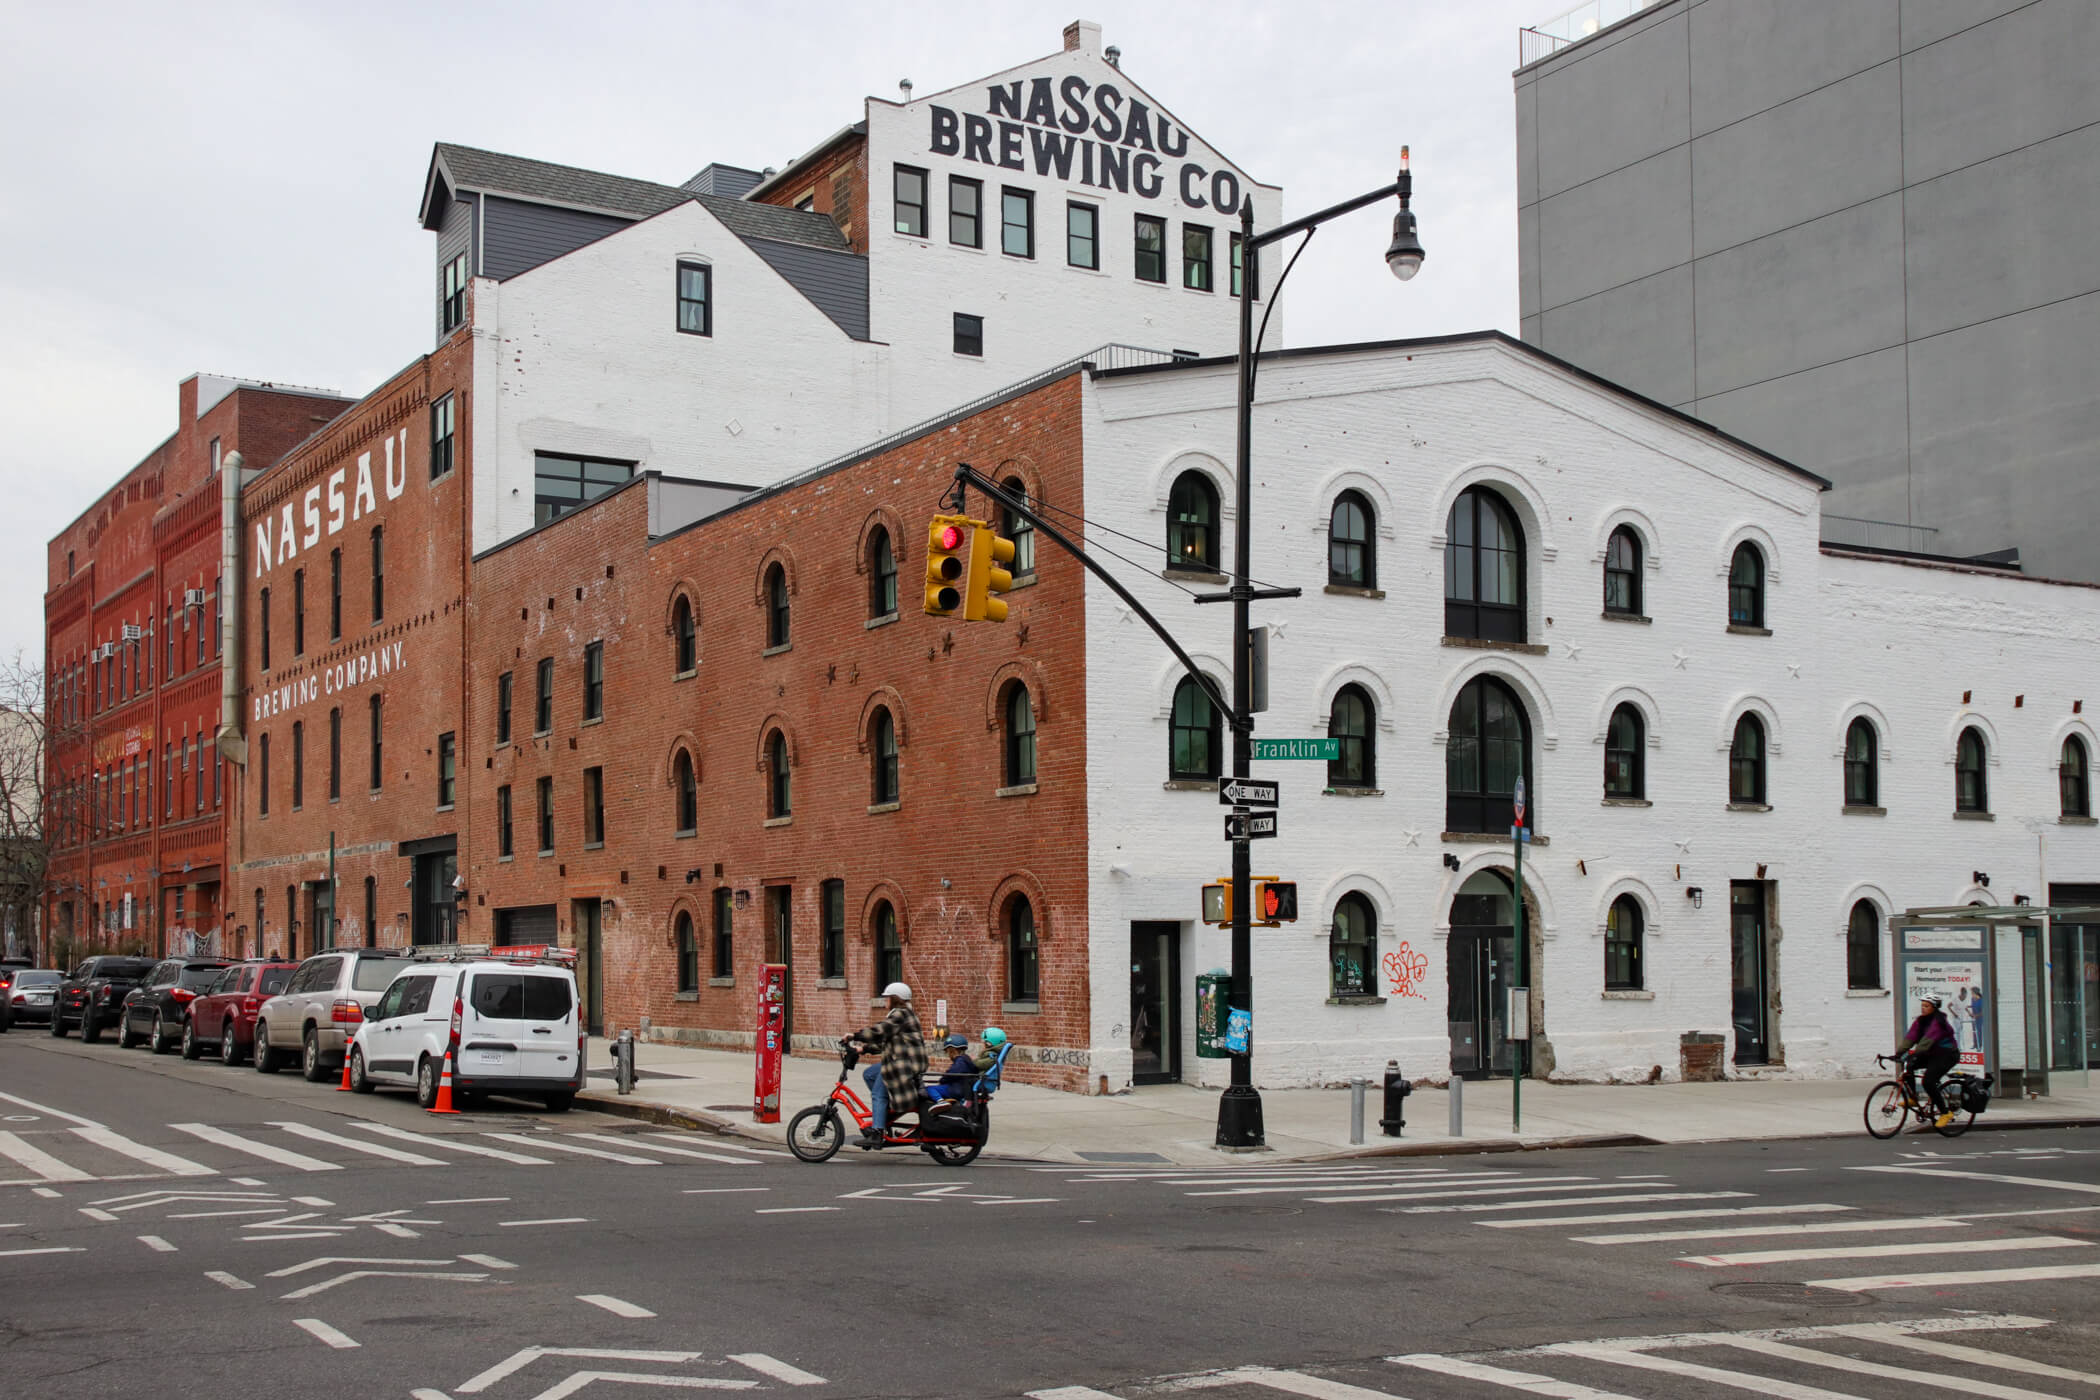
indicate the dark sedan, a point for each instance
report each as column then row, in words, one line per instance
column 157, row 1008
column 93, row 997
column 26, row 996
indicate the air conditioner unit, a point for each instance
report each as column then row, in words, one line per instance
column 105, row 651
column 193, row 597
column 133, row 632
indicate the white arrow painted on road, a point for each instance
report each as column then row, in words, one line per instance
column 356, row 1274
column 561, row 1390
column 520, row 1360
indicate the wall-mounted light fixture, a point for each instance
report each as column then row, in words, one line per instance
column 1696, row 895
column 1980, row 878
column 2022, row 899
column 1450, row 861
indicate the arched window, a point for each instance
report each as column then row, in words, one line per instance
column 1971, row 791
column 2073, row 779
column 1862, row 765
column 1020, row 736
column 1349, row 720
column 685, row 638
column 1483, row 569
column 1196, row 734
column 780, row 792
column 1746, row 761
column 1746, row 587
column 1488, row 749
column 1622, row 945
column 889, row 949
column 882, row 750
column 688, row 954
column 688, row 793
column 1192, row 523
column 1622, row 572
column 1019, row 530
column 882, row 574
column 1352, row 558
column 1625, row 744
column 776, row 606
column 1352, row 948
column 1023, row 965
column 1863, row 948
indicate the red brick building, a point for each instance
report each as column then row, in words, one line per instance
column 136, row 793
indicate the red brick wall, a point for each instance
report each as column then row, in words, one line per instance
column 818, row 184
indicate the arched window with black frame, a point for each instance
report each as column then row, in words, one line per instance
column 777, row 617
column 1863, row 948
column 688, row 790
column 1488, row 747
column 882, row 754
column 685, row 638
column 1625, row 748
column 1483, row 569
column 1746, row 762
column 1352, row 948
column 1862, row 764
column 1351, row 719
column 882, row 574
column 1972, row 791
column 1352, row 556
column 1622, row 573
column 2074, row 778
column 1020, row 736
column 1622, row 945
column 688, row 954
column 1192, row 523
column 889, row 948
column 1019, row 529
column 1023, row 956
column 1746, row 587
column 1196, row 742
column 780, row 793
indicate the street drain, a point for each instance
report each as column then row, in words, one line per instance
column 1795, row 1293
column 1253, row 1210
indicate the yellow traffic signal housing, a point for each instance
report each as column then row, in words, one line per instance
column 988, row 557
column 1217, row 903
column 948, row 549
column 1275, row 902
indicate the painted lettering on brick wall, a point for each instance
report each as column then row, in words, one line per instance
column 327, row 506
column 373, row 663
column 1085, row 134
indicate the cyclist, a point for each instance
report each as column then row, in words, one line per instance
column 895, row 1086
column 1929, row 1045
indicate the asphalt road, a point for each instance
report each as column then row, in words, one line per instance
column 188, row 1230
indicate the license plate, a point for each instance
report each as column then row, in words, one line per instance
column 39, row 998
column 488, row 1057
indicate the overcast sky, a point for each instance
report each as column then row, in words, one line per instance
column 233, row 188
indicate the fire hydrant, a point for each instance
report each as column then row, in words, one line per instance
column 1396, row 1091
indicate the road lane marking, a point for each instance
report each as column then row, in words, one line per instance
column 46, row 1192
column 91, row 1213
column 399, row 1232
column 221, row 1214
column 1973, row 1322
column 1468, row 1207
column 1635, row 1217
column 448, row 1144
column 52, row 1112
column 1468, row 1191
column 1871, row 1282
column 469, row 1201
column 139, row 1152
column 1950, row 1351
column 219, row 1137
column 1499, row 1182
column 325, row 1260
column 674, row 1151
column 715, row 1142
column 1712, row 1375
column 795, row 1210
column 518, row 1361
column 546, row 1144
column 156, row 1244
column 46, row 1166
column 779, row 1370
column 556, row 1220
column 1760, row 1232
column 221, row 1276
column 1837, row 1361
column 321, row 1331
column 2007, row 1214
column 1072, row 1392
column 722, row 1190
column 1528, row 1382
column 1932, row 1248
column 245, row 1181
column 487, row 1261
column 49, row 1249
column 1963, row 1174
column 615, row 1306
column 294, row 1235
column 1289, row 1382
column 355, row 1274
column 373, row 1149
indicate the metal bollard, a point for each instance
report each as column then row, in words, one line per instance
column 1356, row 1112
column 1458, row 1106
column 623, row 1062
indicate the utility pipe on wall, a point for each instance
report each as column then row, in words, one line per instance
column 232, row 743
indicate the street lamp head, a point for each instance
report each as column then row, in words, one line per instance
column 1404, row 255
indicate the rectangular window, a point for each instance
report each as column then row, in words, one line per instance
column 378, row 572
column 1195, row 257
column 831, row 953
column 966, row 211
column 725, row 941
column 216, row 637
column 335, row 595
column 503, row 832
column 448, row 771
column 969, row 334
column 298, row 765
column 1151, row 248
column 543, row 706
column 167, row 781
column 372, row 704
column 218, row 779
column 335, row 754
column 1017, row 223
column 197, row 774
column 452, row 294
column 174, row 656
column 563, row 484
column 594, row 681
column 262, row 613
column 503, row 708
column 545, row 791
column 1083, row 235
column 593, row 806
column 780, row 924
column 444, row 415
column 911, row 201
column 217, row 456
column 696, row 299
column 262, row 775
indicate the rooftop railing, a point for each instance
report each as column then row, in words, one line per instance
column 1543, row 40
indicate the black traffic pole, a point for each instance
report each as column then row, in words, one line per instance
column 1239, row 1107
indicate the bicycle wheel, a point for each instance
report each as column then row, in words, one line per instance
column 1962, row 1117
column 815, row 1134
column 1886, row 1109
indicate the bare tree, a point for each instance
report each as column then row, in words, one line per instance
column 24, row 853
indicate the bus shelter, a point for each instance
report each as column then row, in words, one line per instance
column 1991, row 968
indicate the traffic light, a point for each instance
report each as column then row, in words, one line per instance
column 1276, row 901
column 948, row 542
column 988, row 556
column 1217, row 904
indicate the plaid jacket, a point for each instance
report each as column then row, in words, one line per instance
column 903, row 1058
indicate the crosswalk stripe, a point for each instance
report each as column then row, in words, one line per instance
column 139, row 1152
column 1671, row 1366
column 1318, row 1184
column 1638, row 1217
column 1871, row 1282
column 1963, row 1174
column 1473, row 1206
column 1289, row 1382
column 1469, row 1191
column 1070, row 1392
column 665, row 1147
column 1529, row 1382
column 370, row 1149
column 1929, row 1248
column 283, row 1157
column 548, row 1143
column 725, row 1146
column 1950, row 1351
column 1810, row 1356
column 39, row 1161
column 451, row 1144
column 1825, row 1227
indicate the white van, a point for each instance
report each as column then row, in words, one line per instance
column 511, row 1026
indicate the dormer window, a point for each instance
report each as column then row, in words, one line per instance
column 452, row 294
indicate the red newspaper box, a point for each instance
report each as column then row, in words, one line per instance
column 765, row 1092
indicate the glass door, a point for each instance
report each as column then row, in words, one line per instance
column 1746, row 937
column 585, row 916
column 1155, row 1003
column 2074, row 996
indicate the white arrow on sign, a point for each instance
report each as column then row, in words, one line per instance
column 1244, row 793
column 1249, row 826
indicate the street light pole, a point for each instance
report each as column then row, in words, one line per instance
column 1239, row 1107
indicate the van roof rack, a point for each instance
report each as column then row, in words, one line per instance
column 549, row 954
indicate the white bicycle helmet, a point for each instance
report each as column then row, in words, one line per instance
column 897, row 990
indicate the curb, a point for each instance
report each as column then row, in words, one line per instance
column 1458, row 1147
column 694, row 1120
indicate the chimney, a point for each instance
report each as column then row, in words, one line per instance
column 1083, row 35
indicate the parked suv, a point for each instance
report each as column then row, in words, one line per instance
column 93, row 997
column 510, row 1027
column 155, row 1009
column 223, row 1014
column 25, row 994
column 325, row 1001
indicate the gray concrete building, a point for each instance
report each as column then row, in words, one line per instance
column 1861, row 234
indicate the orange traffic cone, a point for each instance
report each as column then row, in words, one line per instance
column 344, row 1087
column 444, row 1098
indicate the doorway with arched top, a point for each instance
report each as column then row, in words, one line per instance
column 1481, row 967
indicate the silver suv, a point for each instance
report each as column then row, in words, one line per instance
column 322, row 1008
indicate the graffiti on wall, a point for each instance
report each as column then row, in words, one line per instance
column 1405, row 972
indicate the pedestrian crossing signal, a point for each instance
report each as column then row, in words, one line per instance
column 1276, row 901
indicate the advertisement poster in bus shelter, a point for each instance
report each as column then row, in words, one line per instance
column 1950, row 964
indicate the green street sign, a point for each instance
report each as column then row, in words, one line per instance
column 1325, row 750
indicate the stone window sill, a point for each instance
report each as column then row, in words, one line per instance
column 1489, row 838
column 1866, row 991
column 775, row 651
column 777, row 821
column 1018, row 790
column 541, row 733
column 874, row 622
column 1021, row 581
column 1353, row 590
column 546, row 853
column 1627, row 802
column 505, row 860
column 876, row 809
column 1975, row 816
column 2078, row 821
column 1020, row 1008
column 1173, row 575
column 442, row 807
column 685, row 835
column 685, row 996
column 1354, row 999
column 1740, row 630
column 878, row 1003
column 1352, row 792
column 685, row 675
column 1860, row 809
column 721, row 981
column 588, row 723
column 1189, row 785
column 594, row 845
column 834, row 984
column 1483, row 644
column 1627, row 994
column 1749, row 806
column 1641, row 619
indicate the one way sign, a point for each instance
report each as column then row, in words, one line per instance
column 1249, row 826
column 1239, row 792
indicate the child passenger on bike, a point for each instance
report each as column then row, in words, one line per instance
column 963, row 1071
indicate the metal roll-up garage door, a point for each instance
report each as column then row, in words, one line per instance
column 532, row 923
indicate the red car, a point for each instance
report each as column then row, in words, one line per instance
column 223, row 1014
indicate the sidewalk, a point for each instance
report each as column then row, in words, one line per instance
column 1175, row 1123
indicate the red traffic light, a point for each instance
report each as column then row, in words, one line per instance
column 951, row 537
